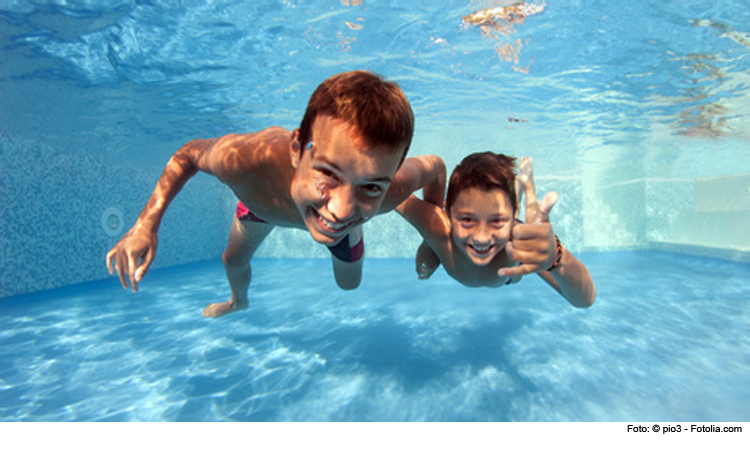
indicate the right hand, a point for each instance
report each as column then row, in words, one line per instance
column 533, row 244
column 132, row 256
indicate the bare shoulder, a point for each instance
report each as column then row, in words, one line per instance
column 234, row 156
column 248, row 143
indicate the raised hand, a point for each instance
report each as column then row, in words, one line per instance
column 532, row 243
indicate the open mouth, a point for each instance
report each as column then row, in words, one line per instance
column 329, row 227
column 482, row 250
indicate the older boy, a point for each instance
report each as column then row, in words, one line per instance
column 480, row 243
column 345, row 164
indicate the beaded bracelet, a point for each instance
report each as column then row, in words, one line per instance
column 559, row 254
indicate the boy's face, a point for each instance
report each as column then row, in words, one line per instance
column 481, row 223
column 340, row 180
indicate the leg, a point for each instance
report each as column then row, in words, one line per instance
column 244, row 238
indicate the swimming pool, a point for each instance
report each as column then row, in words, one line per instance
column 636, row 114
column 667, row 341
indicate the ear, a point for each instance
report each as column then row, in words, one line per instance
column 295, row 149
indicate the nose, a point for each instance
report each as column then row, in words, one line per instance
column 482, row 235
column 342, row 204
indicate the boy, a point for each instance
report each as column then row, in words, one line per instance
column 479, row 242
column 344, row 164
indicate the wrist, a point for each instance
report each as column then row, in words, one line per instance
column 558, row 255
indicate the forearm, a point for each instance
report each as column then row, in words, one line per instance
column 433, row 179
column 418, row 172
column 573, row 281
column 180, row 168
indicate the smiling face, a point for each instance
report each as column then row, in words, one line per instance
column 340, row 180
column 481, row 222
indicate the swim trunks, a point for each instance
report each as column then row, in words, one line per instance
column 245, row 214
column 351, row 248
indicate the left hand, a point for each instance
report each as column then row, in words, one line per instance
column 532, row 244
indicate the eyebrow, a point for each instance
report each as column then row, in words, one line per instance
column 336, row 167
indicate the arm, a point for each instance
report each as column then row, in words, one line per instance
column 430, row 221
column 134, row 253
column 572, row 280
column 418, row 172
column 534, row 246
column 428, row 218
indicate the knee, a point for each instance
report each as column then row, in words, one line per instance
column 234, row 259
column 347, row 284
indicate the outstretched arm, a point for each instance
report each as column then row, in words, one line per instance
column 535, row 247
column 426, row 172
column 132, row 256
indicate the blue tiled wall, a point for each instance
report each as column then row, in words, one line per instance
column 51, row 216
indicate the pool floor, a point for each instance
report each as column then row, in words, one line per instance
column 668, row 339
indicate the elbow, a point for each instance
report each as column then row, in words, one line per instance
column 587, row 300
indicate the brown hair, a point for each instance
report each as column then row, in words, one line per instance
column 486, row 171
column 377, row 108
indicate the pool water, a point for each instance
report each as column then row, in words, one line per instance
column 667, row 340
column 637, row 113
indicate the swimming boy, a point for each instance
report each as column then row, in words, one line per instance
column 343, row 165
column 479, row 242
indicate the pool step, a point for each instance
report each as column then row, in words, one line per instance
column 713, row 228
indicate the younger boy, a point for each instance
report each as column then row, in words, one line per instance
column 478, row 240
column 345, row 164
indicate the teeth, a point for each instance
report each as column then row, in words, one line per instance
column 332, row 225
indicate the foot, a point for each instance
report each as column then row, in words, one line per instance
column 427, row 262
column 220, row 309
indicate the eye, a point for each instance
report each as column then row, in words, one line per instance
column 498, row 223
column 466, row 222
column 372, row 190
column 328, row 173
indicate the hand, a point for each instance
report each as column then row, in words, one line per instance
column 533, row 243
column 133, row 256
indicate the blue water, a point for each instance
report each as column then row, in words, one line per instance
column 667, row 340
column 622, row 105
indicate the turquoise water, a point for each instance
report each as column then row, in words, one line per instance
column 637, row 113
column 667, row 340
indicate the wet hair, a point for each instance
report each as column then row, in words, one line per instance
column 377, row 108
column 485, row 171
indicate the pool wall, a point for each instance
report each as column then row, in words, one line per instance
column 62, row 213
column 702, row 216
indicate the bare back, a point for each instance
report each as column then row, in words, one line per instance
column 257, row 168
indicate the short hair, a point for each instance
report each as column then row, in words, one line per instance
column 377, row 108
column 486, row 171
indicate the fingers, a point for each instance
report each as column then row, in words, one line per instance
column 122, row 269
column 132, row 264
column 148, row 258
column 509, row 272
column 546, row 206
column 128, row 268
column 110, row 258
column 532, row 255
column 526, row 232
